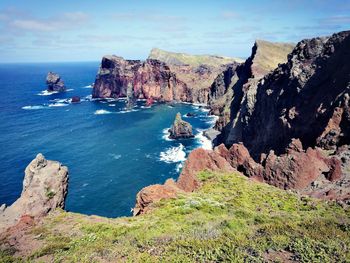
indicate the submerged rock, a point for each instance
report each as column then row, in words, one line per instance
column 181, row 129
column 75, row 99
column 54, row 82
column 45, row 188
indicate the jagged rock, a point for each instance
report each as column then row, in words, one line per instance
column 153, row 193
column 45, row 187
column 307, row 98
column 191, row 114
column 308, row 172
column 160, row 77
column 233, row 91
column 75, row 99
column 180, row 129
column 54, row 82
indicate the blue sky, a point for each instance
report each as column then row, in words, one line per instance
column 85, row 30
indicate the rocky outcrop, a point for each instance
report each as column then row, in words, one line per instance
column 54, row 82
column 233, row 91
column 180, row 129
column 307, row 98
column 45, row 187
column 164, row 76
column 310, row 172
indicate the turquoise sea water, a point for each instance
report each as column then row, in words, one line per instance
column 111, row 153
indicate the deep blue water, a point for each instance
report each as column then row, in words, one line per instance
column 111, row 154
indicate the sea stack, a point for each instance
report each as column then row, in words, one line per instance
column 180, row 129
column 54, row 82
column 45, row 187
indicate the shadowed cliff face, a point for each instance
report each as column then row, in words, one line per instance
column 233, row 91
column 305, row 98
column 163, row 76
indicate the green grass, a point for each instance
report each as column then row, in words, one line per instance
column 230, row 219
column 192, row 60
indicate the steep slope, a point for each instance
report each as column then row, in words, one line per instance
column 164, row 76
column 236, row 86
column 305, row 98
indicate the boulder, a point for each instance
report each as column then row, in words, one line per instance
column 45, row 187
column 54, row 82
column 75, row 99
column 180, row 129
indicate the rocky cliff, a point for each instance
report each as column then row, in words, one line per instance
column 180, row 129
column 307, row 98
column 164, row 76
column 234, row 89
column 45, row 187
column 54, row 82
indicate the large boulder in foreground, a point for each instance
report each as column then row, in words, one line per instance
column 45, row 188
column 181, row 129
column 54, row 82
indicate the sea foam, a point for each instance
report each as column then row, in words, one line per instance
column 173, row 154
column 46, row 93
column 37, row 107
column 100, row 112
column 204, row 141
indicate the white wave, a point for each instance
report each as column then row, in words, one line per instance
column 60, row 100
column 87, row 87
column 86, row 184
column 126, row 111
column 115, row 156
column 111, row 105
column 173, row 154
column 146, row 107
column 46, row 93
column 166, row 134
column 212, row 119
column 100, row 112
column 38, row 107
column 69, row 90
column 204, row 141
column 103, row 101
column 58, row 104
column 178, row 167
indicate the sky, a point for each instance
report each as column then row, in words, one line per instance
column 85, row 30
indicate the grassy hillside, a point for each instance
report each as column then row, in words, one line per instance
column 173, row 58
column 229, row 219
column 270, row 54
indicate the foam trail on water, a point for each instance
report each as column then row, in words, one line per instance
column 37, row 107
column 58, row 104
column 46, row 93
column 173, row 154
column 166, row 134
column 100, row 112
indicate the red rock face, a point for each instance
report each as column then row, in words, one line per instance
column 296, row 169
column 151, row 79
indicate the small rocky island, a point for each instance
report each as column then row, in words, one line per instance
column 54, row 82
column 181, row 129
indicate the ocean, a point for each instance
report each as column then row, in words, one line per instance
column 111, row 153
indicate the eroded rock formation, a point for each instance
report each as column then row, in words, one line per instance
column 54, row 82
column 45, row 188
column 307, row 98
column 310, row 172
column 180, row 129
column 164, row 76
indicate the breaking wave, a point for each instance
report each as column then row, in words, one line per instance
column 204, row 141
column 38, row 107
column 166, row 134
column 46, row 93
column 173, row 154
column 100, row 112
